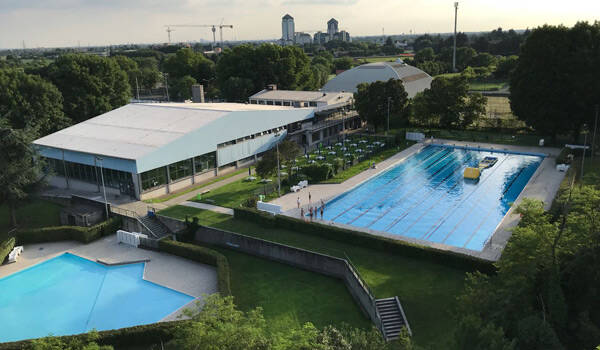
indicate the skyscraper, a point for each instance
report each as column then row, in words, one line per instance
column 287, row 30
column 332, row 28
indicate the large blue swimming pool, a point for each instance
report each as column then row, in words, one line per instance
column 69, row 295
column 426, row 197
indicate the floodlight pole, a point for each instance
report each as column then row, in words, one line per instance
column 388, row 116
column 278, row 171
column 594, row 135
column 103, row 187
column 584, row 146
column 454, row 51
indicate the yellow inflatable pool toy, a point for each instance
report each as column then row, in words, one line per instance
column 475, row 173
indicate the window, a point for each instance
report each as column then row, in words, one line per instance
column 312, row 104
column 89, row 173
column 261, row 102
column 154, row 178
column 205, row 162
column 316, row 136
column 287, row 103
column 180, row 169
column 277, row 103
column 270, row 103
column 253, row 102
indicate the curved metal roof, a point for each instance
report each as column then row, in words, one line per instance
column 414, row 79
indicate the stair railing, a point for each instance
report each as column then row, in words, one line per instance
column 131, row 214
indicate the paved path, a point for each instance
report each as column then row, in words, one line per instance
column 215, row 208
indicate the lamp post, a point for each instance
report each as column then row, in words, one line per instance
column 585, row 132
column 103, row 187
column 278, row 170
column 388, row 116
column 454, row 50
column 594, row 136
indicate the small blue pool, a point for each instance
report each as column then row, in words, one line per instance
column 426, row 197
column 70, row 295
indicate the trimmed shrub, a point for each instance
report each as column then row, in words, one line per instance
column 65, row 233
column 201, row 255
column 5, row 248
column 366, row 240
column 317, row 172
column 338, row 164
column 137, row 336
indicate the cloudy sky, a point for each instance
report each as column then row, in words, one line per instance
column 51, row 23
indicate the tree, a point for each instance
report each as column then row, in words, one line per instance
column 445, row 102
column 426, row 54
column 88, row 342
column 483, row 59
column 505, row 67
column 186, row 62
column 90, row 85
column 267, row 165
column 237, row 89
column 372, row 100
column 553, row 88
column 28, row 101
column 20, row 164
column 474, row 109
column 181, row 88
column 132, row 69
column 343, row 63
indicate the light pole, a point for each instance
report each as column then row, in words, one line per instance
column 594, row 136
column 388, row 116
column 166, row 75
column 454, row 51
column 278, row 170
column 585, row 132
column 103, row 188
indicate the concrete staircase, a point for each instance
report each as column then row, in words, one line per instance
column 156, row 228
column 392, row 317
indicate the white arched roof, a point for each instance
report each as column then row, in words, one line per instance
column 414, row 79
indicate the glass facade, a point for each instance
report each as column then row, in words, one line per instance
column 89, row 173
column 180, row 169
column 154, row 178
column 205, row 162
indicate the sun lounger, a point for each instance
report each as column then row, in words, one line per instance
column 14, row 254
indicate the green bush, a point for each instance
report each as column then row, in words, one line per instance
column 317, row 172
column 201, row 255
column 137, row 336
column 338, row 164
column 65, row 233
column 366, row 240
column 562, row 157
column 5, row 248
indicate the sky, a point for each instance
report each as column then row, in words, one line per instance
column 58, row 23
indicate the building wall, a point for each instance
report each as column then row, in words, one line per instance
column 76, row 185
column 126, row 165
column 248, row 148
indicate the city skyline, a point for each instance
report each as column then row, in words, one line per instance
column 57, row 23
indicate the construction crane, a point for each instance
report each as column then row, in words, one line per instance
column 169, row 30
column 212, row 26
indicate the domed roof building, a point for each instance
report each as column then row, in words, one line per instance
column 414, row 79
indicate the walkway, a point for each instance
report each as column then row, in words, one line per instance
column 215, row 208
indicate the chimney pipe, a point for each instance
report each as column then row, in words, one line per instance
column 198, row 93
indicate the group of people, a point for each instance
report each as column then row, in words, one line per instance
column 313, row 211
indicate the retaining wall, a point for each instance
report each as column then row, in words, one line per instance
column 174, row 225
column 320, row 263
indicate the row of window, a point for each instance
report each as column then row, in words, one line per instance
column 249, row 137
column 158, row 177
column 284, row 103
column 89, row 173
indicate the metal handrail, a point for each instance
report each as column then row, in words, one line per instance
column 132, row 214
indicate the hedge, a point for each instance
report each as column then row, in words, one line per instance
column 385, row 244
column 201, row 255
column 5, row 248
column 138, row 336
column 65, row 233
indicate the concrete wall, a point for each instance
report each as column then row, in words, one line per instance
column 173, row 225
column 324, row 264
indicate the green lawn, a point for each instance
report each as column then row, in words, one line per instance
column 427, row 291
column 193, row 188
column 487, row 86
column 233, row 194
column 32, row 214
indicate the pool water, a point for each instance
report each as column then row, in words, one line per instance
column 426, row 197
column 69, row 295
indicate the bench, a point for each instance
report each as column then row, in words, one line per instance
column 14, row 254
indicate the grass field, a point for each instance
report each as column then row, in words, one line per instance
column 427, row 291
column 487, row 86
column 233, row 194
column 32, row 214
column 193, row 188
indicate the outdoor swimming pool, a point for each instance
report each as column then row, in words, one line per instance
column 70, row 295
column 426, row 197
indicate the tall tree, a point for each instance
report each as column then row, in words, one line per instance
column 372, row 101
column 21, row 168
column 28, row 101
column 187, row 62
column 90, row 85
column 554, row 86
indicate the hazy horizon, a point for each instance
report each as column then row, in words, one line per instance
column 60, row 23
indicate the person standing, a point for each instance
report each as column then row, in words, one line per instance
column 310, row 213
column 302, row 213
column 309, row 197
column 298, row 202
column 322, row 212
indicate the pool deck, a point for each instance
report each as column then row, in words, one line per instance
column 164, row 269
column 543, row 186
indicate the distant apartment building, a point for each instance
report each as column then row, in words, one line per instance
column 303, row 38
column 320, row 38
column 342, row 36
column 287, row 30
column 332, row 28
